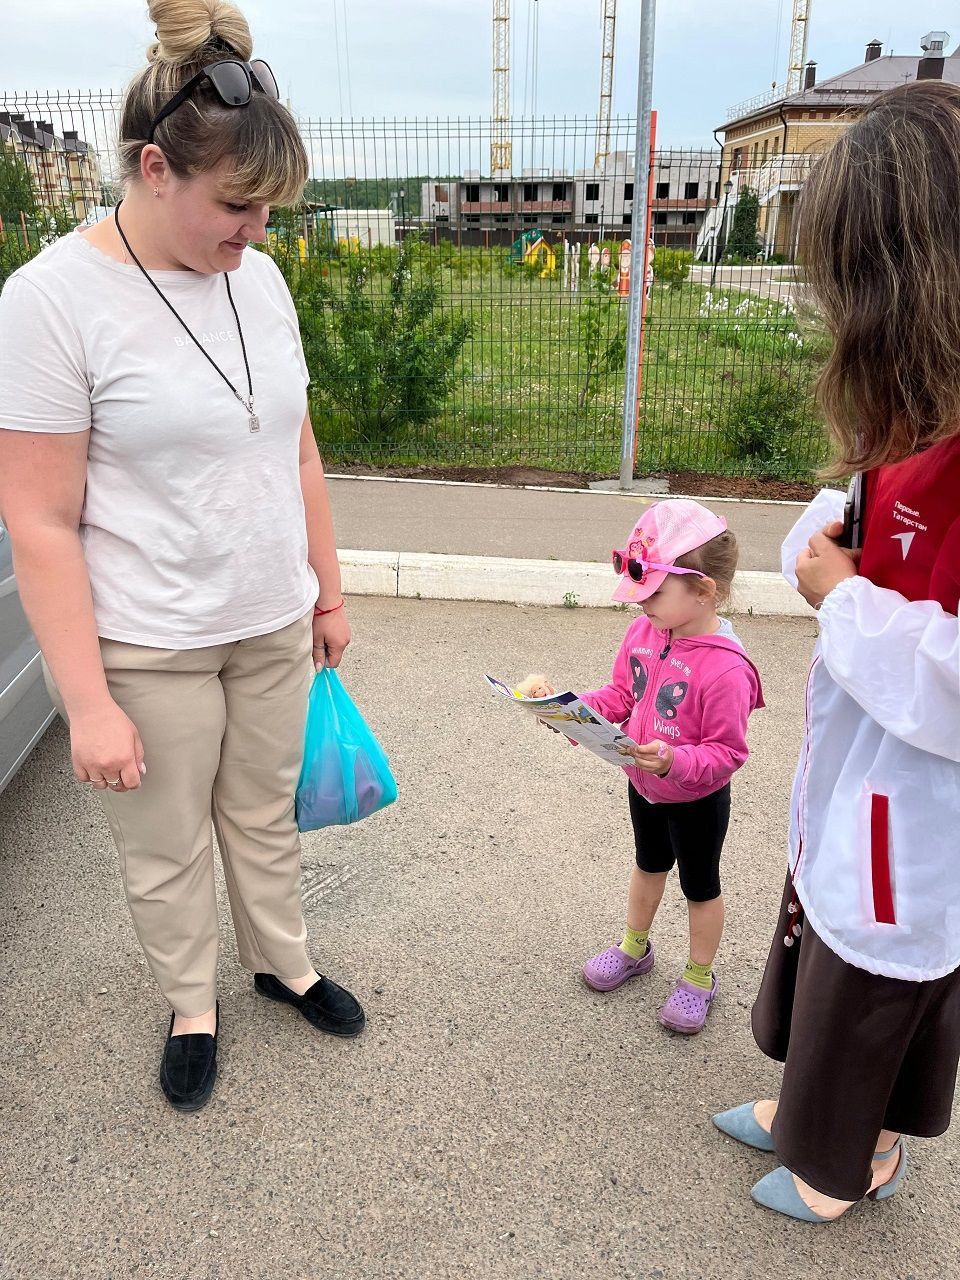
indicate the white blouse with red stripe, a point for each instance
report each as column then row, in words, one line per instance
column 875, row 814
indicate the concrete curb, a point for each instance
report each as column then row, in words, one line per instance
column 537, row 582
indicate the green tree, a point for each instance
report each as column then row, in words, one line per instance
column 17, row 191
column 17, row 195
column 373, row 193
column 743, row 241
column 603, row 334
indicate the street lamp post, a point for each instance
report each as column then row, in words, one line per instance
column 717, row 245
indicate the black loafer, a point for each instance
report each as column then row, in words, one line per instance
column 326, row 1006
column 188, row 1070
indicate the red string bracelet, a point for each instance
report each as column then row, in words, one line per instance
column 319, row 613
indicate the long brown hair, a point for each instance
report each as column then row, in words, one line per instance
column 880, row 244
column 268, row 163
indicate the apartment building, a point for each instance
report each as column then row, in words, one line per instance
column 65, row 170
column 595, row 203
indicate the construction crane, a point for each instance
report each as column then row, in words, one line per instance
column 501, row 147
column 798, row 44
column 608, row 21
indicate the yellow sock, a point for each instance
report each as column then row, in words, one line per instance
column 699, row 975
column 634, row 943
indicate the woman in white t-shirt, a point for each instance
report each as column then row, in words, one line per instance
column 171, row 530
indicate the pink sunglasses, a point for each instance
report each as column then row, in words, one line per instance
column 637, row 568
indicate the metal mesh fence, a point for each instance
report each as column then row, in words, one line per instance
column 457, row 316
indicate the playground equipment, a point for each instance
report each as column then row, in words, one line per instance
column 532, row 249
column 545, row 255
column 623, row 264
column 622, row 283
column 571, row 266
column 273, row 241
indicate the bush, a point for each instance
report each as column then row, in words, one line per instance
column 777, row 260
column 381, row 258
column 671, row 266
column 384, row 362
column 769, row 429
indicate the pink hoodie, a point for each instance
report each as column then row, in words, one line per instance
column 695, row 694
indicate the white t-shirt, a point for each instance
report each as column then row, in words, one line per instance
column 193, row 527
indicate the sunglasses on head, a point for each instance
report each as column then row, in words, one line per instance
column 636, row 568
column 233, row 81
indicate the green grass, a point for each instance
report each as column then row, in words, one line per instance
column 521, row 395
column 520, row 380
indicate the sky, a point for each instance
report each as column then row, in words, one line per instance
column 432, row 58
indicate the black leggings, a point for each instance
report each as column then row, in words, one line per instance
column 689, row 834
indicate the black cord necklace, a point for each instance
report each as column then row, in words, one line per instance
column 247, row 404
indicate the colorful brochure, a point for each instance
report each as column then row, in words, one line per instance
column 571, row 716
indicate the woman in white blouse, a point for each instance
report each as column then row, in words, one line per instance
column 171, row 530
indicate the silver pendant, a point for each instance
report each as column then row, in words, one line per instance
column 254, row 422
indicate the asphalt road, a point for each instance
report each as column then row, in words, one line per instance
column 779, row 284
column 496, row 1119
column 487, row 520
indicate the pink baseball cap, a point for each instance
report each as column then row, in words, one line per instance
column 664, row 532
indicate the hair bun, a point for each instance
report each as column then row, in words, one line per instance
column 186, row 27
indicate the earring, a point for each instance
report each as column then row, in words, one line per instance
column 156, row 191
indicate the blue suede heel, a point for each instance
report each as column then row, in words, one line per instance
column 740, row 1123
column 778, row 1191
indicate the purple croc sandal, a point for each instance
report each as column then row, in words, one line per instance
column 613, row 967
column 686, row 1010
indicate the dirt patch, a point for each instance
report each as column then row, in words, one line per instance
column 694, row 483
column 517, row 476
column 697, row 484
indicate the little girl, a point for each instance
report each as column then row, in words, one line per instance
column 684, row 688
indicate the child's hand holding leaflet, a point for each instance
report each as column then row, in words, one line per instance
column 571, row 716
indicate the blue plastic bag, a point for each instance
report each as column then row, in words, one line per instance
column 345, row 774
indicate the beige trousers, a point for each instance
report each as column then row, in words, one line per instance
column 222, row 731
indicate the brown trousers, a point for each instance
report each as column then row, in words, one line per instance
column 222, row 730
